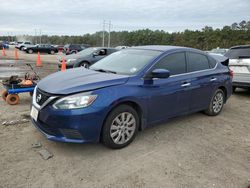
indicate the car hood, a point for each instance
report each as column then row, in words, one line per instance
column 75, row 56
column 79, row 80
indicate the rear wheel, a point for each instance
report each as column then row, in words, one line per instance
column 216, row 103
column 4, row 95
column 12, row 99
column 30, row 51
column 120, row 127
column 52, row 52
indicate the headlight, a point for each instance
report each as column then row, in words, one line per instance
column 80, row 100
column 70, row 60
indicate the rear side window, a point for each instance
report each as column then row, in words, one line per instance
column 175, row 63
column 197, row 62
column 237, row 53
column 212, row 62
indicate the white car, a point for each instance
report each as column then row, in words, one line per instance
column 22, row 45
column 239, row 63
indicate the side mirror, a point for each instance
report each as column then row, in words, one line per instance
column 160, row 73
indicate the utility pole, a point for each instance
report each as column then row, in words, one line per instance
column 109, row 33
column 35, row 37
column 103, row 33
column 40, row 36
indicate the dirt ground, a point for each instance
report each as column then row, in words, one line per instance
column 191, row 151
column 47, row 58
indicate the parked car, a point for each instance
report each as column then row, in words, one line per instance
column 59, row 47
column 127, row 91
column 3, row 45
column 221, row 51
column 74, row 48
column 239, row 62
column 13, row 43
column 42, row 48
column 22, row 45
column 86, row 57
column 121, row 47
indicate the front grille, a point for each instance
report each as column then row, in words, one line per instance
column 71, row 133
column 41, row 97
column 48, row 130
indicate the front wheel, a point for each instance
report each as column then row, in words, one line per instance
column 216, row 103
column 120, row 127
column 52, row 52
column 30, row 51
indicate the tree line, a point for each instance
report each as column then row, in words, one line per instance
column 205, row 39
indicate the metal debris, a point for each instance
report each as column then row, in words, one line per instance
column 15, row 122
column 45, row 154
column 36, row 145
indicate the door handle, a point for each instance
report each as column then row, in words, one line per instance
column 213, row 79
column 185, row 84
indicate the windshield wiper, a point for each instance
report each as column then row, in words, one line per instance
column 107, row 71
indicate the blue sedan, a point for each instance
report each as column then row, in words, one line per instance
column 129, row 91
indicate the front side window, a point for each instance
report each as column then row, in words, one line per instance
column 197, row 62
column 174, row 63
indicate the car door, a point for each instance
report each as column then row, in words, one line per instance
column 169, row 97
column 101, row 53
column 203, row 80
column 41, row 48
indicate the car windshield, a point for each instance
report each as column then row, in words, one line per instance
column 127, row 62
column 237, row 53
column 87, row 51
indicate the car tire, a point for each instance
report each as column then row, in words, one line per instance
column 120, row 127
column 12, row 99
column 84, row 64
column 52, row 52
column 216, row 103
column 22, row 48
column 30, row 51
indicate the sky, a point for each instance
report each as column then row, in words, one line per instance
column 78, row 17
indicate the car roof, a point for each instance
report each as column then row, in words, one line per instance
column 163, row 48
column 240, row 46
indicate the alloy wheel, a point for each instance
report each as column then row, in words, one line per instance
column 123, row 128
column 218, row 102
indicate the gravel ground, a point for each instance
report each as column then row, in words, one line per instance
column 190, row 151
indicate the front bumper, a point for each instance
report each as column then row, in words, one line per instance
column 68, row 66
column 75, row 126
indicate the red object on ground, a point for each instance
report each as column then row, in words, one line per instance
column 38, row 62
column 3, row 52
column 63, row 67
column 16, row 54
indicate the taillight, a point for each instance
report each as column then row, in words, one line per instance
column 231, row 73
